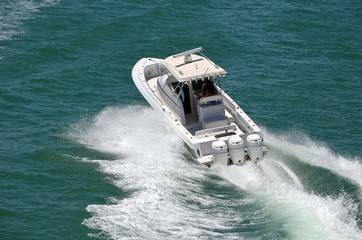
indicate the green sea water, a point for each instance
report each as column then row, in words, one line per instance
column 83, row 156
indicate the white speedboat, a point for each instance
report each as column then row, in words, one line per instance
column 185, row 88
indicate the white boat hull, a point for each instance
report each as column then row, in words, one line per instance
column 194, row 121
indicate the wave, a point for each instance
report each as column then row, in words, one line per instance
column 163, row 186
column 318, row 155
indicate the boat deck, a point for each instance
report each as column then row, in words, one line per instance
column 192, row 123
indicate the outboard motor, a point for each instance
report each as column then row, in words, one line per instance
column 236, row 149
column 254, row 146
column 220, row 152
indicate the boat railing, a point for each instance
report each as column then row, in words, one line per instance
column 246, row 124
column 177, row 89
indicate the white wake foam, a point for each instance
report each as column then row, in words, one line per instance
column 304, row 215
column 318, row 155
column 161, row 183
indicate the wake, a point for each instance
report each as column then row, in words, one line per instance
column 321, row 156
column 304, row 215
column 166, row 187
column 152, row 168
column 307, row 215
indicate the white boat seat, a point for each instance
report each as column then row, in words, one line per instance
column 213, row 122
column 154, row 70
column 209, row 99
column 211, row 112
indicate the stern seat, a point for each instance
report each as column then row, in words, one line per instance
column 211, row 112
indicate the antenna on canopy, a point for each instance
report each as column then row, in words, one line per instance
column 188, row 53
column 205, row 73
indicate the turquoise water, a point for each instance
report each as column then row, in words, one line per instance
column 83, row 156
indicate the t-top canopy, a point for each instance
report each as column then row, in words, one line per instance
column 188, row 66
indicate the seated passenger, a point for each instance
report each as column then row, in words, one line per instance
column 208, row 88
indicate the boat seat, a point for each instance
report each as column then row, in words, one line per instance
column 154, row 70
column 209, row 99
column 213, row 122
column 211, row 112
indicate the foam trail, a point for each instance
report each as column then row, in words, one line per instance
column 163, row 187
column 277, row 170
column 317, row 155
column 304, row 215
column 307, row 215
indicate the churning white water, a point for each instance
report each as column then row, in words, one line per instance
column 166, row 190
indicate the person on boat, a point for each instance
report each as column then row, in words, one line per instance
column 208, row 88
column 182, row 94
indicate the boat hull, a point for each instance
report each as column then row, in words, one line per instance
column 197, row 128
column 156, row 103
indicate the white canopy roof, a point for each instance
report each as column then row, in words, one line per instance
column 187, row 66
